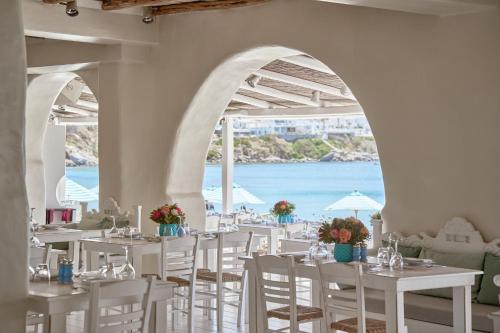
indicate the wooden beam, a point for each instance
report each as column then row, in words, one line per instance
column 252, row 101
column 52, row 2
column 121, row 4
column 203, row 5
column 303, row 83
column 311, row 63
column 307, row 112
column 77, row 121
column 279, row 94
column 75, row 110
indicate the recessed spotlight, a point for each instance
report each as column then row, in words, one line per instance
column 147, row 15
column 72, row 8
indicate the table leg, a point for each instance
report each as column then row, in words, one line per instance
column 92, row 260
column 272, row 240
column 136, row 261
column 57, row 323
column 462, row 310
column 394, row 311
column 158, row 319
column 75, row 246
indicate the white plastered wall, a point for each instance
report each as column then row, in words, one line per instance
column 13, row 202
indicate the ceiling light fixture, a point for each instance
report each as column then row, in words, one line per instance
column 72, row 8
column 147, row 15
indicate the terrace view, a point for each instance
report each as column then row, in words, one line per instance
column 254, row 166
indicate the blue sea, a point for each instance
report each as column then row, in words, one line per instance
column 310, row 186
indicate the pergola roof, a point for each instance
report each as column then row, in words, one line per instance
column 77, row 104
column 298, row 82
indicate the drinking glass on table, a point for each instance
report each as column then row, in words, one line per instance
column 127, row 272
column 383, row 256
column 396, row 261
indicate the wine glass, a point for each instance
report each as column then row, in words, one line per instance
column 127, row 272
column 396, row 261
column 114, row 229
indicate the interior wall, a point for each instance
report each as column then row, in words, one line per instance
column 13, row 202
column 54, row 157
column 428, row 85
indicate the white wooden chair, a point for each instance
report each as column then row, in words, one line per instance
column 38, row 255
column 230, row 269
column 226, row 220
column 276, row 283
column 105, row 295
column 346, row 302
column 178, row 264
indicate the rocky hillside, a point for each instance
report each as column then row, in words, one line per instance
column 81, row 146
column 272, row 149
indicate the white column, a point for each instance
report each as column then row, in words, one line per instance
column 227, row 165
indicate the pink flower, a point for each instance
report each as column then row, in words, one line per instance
column 155, row 215
column 334, row 233
column 344, row 235
column 165, row 210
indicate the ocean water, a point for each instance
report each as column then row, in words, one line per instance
column 310, row 186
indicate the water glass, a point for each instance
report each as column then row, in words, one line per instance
column 42, row 272
column 396, row 261
column 384, row 256
column 114, row 229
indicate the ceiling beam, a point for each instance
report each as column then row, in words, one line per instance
column 72, row 109
column 202, row 5
column 252, row 101
column 263, row 90
column 77, row 121
column 121, row 4
column 307, row 62
column 304, row 83
column 307, row 112
column 86, row 105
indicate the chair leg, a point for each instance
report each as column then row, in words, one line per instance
column 241, row 299
column 220, row 307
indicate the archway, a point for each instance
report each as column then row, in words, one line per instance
column 42, row 93
column 194, row 134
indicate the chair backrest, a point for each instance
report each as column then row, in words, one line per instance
column 231, row 246
column 276, row 285
column 104, row 295
column 344, row 301
column 178, row 257
column 226, row 220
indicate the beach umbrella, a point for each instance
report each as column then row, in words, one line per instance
column 240, row 195
column 355, row 201
column 76, row 192
column 95, row 189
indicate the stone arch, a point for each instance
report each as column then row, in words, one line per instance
column 41, row 95
column 193, row 136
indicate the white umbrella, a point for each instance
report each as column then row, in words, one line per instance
column 240, row 195
column 95, row 189
column 356, row 202
column 76, row 192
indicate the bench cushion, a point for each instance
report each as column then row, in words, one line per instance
column 432, row 309
column 462, row 260
column 489, row 292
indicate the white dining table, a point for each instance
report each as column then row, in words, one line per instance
column 394, row 283
column 137, row 248
column 55, row 300
column 64, row 235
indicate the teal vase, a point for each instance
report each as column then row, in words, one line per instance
column 283, row 219
column 342, row 252
column 168, row 229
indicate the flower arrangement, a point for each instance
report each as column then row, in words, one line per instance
column 168, row 214
column 376, row 216
column 282, row 207
column 344, row 231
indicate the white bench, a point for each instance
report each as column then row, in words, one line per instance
column 434, row 314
